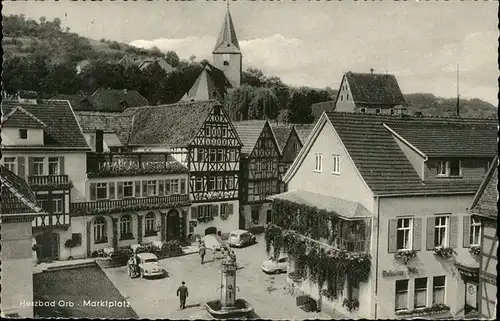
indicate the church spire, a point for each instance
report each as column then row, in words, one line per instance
column 227, row 42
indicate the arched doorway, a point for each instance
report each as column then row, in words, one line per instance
column 174, row 225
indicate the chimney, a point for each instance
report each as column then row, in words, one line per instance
column 99, row 141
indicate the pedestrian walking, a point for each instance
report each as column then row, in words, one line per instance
column 203, row 251
column 182, row 293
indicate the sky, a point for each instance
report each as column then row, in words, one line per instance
column 310, row 43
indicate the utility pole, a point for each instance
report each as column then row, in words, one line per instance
column 458, row 91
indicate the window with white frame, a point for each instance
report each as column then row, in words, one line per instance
column 38, row 166
column 204, row 211
column 100, row 230
column 201, row 154
column 229, row 182
column 475, row 231
column 438, row 289
column 57, row 205
column 23, row 133
column 420, row 296
column 199, row 183
column 128, row 189
column 10, row 163
column 219, row 183
column 207, row 131
column 336, row 164
column 319, row 162
column 174, row 186
column 401, row 295
column 220, row 155
column 54, row 166
column 212, row 154
column 102, row 191
column 125, row 226
column 152, row 191
column 224, row 132
column 441, row 231
column 404, row 234
column 232, row 155
column 149, row 221
column 211, row 183
column 449, row 168
column 258, row 165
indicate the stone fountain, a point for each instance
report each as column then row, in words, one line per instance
column 228, row 306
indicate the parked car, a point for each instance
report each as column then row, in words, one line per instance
column 241, row 238
column 148, row 265
column 275, row 266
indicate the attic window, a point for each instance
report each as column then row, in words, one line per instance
column 23, row 133
column 450, row 168
column 217, row 110
column 392, row 111
column 378, row 110
column 362, row 110
column 226, row 63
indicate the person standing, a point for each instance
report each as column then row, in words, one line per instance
column 203, row 251
column 182, row 293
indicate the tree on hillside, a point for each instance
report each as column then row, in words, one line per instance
column 172, row 58
column 253, row 77
column 264, row 105
column 238, row 101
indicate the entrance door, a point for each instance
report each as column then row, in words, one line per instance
column 470, row 297
column 173, row 221
column 48, row 244
column 241, row 224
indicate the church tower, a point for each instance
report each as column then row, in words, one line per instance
column 227, row 54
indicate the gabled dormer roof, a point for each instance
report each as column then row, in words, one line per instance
column 374, row 89
column 21, row 118
column 227, row 42
column 17, row 196
column 210, row 84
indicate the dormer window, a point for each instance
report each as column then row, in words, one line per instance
column 378, row 111
column 451, row 168
column 23, row 133
column 362, row 110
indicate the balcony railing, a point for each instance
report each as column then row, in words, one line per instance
column 49, row 181
column 126, row 164
column 127, row 204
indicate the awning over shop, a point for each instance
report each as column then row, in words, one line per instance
column 345, row 208
column 467, row 265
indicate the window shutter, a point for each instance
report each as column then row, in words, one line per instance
column 214, row 210
column 466, row 231
column 161, row 185
column 194, row 212
column 111, row 190
column 21, row 168
column 144, row 188
column 61, row 165
column 393, row 229
column 453, row 232
column 230, row 209
column 167, row 187
column 137, row 188
column 30, row 166
column 183, row 186
column 119, row 190
column 93, row 191
column 429, row 239
column 417, row 234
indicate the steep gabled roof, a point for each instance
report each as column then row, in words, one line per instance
column 379, row 159
column 303, row 131
column 227, row 42
column 174, row 125
column 74, row 100
column 249, row 132
column 210, row 84
column 282, row 133
column 318, row 108
column 374, row 88
column 20, row 118
column 112, row 100
column 62, row 129
column 17, row 196
column 120, row 124
column 162, row 63
column 486, row 198
column 457, row 138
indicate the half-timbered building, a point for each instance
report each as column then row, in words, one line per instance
column 19, row 207
column 43, row 143
column 485, row 212
column 200, row 136
column 259, row 172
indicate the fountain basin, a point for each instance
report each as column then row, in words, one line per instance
column 241, row 309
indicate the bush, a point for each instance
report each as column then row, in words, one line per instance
column 114, row 45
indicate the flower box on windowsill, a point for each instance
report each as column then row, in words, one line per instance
column 205, row 219
column 150, row 233
column 475, row 250
column 444, row 252
column 434, row 309
column 103, row 240
column 404, row 256
column 350, row 305
column 295, row 277
column 126, row 237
